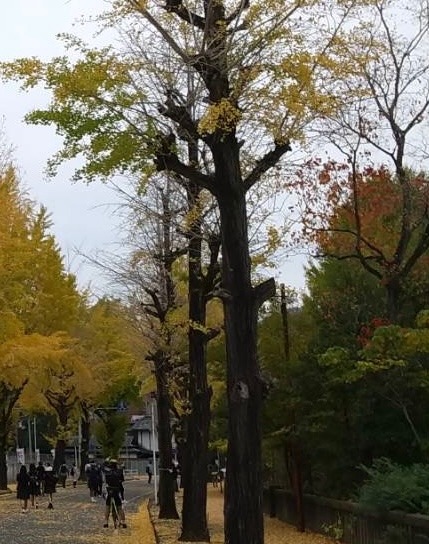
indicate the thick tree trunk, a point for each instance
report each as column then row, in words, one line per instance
column 9, row 397
column 5, row 428
column 166, row 490
column 60, row 445
column 194, row 515
column 243, row 489
column 60, row 454
column 3, row 464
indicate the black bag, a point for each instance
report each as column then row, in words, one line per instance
column 113, row 479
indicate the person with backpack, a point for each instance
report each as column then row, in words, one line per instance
column 92, row 478
column 64, row 471
column 34, row 485
column 74, row 474
column 41, row 477
column 51, row 480
column 114, row 482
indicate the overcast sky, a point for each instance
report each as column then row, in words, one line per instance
column 82, row 215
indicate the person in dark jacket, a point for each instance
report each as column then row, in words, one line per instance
column 149, row 472
column 51, row 480
column 64, row 471
column 93, row 476
column 114, row 482
column 34, row 485
column 23, row 488
column 41, row 476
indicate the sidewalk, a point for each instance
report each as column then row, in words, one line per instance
column 74, row 519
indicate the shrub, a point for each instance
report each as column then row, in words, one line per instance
column 394, row 487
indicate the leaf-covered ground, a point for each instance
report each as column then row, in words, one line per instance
column 276, row 532
column 75, row 520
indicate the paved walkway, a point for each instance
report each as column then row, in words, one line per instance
column 74, row 519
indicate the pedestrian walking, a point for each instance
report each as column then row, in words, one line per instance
column 99, row 490
column 92, row 478
column 41, row 476
column 175, row 472
column 113, row 476
column 122, row 480
column 34, row 485
column 74, row 474
column 149, row 472
column 23, row 488
column 63, row 474
column 51, row 480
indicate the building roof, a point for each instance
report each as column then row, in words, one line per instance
column 144, row 423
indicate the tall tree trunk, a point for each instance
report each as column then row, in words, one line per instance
column 60, row 454
column 166, row 491
column 3, row 463
column 9, row 397
column 60, row 445
column 194, row 512
column 243, row 488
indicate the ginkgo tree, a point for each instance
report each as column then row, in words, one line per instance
column 112, row 352
column 26, row 342
column 260, row 69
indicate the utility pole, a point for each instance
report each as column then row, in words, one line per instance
column 35, row 439
column 30, row 445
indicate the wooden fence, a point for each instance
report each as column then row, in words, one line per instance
column 347, row 521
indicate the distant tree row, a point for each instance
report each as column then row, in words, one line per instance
column 60, row 354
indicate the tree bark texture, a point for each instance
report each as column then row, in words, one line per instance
column 194, row 514
column 243, row 488
column 166, row 490
column 9, row 397
column 3, row 464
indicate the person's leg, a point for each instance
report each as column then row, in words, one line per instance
column 92, row 492
column 106, row 514
column 115, row 513
column 121, row 513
